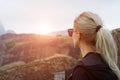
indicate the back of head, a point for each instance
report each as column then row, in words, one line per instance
column 91, row 27
column 87, row 24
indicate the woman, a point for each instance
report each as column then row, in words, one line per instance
column 98, row 50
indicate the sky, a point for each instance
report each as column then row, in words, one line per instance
column 44, row 16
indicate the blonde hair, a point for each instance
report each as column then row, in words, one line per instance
column 87, row 24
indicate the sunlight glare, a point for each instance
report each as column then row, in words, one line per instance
column 44, row 29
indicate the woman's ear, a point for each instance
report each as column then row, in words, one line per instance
column 79, row 36
column 76, row 40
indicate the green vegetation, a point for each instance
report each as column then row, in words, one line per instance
column 11, row 65
column 10, row 45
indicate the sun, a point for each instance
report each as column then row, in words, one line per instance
column 44, row 29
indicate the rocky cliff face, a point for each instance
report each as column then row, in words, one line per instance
column 116, row 35
column 2, row 51
column 28, row 56
column 39, row 69
column 29, row 47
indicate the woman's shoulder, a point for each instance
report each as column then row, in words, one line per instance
column 76, row 73
column 93, row 58
column 80, row 73
column 85, row 72
column 91, row 66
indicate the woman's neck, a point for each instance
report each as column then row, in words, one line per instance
column 85, row 49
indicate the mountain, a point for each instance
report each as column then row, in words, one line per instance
column 10, row 31
column 116, row 36
column 2, row 30
column 44, row 69
column 35, row 57
column 28, row 47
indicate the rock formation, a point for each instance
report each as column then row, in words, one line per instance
column 40, row 69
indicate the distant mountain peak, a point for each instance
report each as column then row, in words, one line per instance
column 2, row 30
column 62, row 32
column 10, row 31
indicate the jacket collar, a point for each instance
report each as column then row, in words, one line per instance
column 93, row 58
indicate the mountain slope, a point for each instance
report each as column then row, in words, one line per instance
column 39, row 69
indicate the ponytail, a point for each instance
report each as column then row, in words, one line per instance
column 106, row 46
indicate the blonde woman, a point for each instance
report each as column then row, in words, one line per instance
column 97, row 47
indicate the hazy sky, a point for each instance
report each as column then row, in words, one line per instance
column 40, row 16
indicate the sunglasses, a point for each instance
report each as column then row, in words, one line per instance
column 70, row 32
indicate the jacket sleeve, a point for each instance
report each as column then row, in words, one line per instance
column 79, row 74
